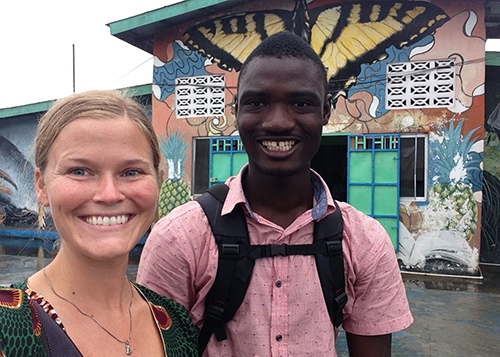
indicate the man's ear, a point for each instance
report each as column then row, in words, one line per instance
column 40, row 188
column 327, row 110
column 235, row 109
column 235, row 105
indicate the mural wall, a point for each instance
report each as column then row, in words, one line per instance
column 490, row 224
column 17, row 196
column 357, row 42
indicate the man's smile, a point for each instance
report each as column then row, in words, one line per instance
column 278, row 145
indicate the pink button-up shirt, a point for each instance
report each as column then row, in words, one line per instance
column 283, row 313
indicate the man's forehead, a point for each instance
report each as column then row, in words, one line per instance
column 272, row 65
column 264, row 62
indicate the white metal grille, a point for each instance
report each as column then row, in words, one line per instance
column 199, row 96
column 420, row 84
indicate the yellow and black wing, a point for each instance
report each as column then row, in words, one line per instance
column 351, row 34
column 344, row 35
column 229, row 40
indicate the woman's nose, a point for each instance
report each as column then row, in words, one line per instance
column 108, row 190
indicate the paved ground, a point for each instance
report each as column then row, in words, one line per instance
column 453, row 317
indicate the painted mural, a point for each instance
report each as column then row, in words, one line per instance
column 356, row 41
column 490, row 224
column 18, row 206
column 174, row 191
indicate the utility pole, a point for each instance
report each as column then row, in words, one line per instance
column 73, row 68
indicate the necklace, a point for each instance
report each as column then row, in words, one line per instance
column 128, row 351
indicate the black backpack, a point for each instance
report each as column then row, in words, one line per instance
column 237, row 258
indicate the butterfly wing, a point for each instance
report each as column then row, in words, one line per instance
column 351, row 34
column 229, row 40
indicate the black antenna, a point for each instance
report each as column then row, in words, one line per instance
column 73, row 68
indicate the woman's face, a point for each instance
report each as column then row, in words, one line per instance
column 101, row 186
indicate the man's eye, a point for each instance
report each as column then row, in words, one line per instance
column 256, row 103
column 301, row 104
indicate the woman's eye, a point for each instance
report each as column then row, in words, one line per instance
column 78, row 172
column 132, row 172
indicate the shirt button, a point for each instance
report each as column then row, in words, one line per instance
column 278, row 283
column 279, row 337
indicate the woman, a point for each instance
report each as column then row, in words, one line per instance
column 97, row 159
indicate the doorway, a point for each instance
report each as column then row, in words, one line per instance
column 331, row 163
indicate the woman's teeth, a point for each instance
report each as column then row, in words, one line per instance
column 107, row 221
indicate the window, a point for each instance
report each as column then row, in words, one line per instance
column 413, row 169
column 199, row 96
column 420, row 84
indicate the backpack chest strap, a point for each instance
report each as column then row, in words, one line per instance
column 237, row 251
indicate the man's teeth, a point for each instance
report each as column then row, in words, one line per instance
column 278, row 145
column 107, row 221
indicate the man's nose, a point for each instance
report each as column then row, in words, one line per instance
column 278, row 119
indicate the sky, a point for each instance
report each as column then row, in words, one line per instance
column 36, row 48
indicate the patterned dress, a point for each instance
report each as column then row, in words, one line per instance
column 21, row 332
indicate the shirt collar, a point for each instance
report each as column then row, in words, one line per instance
column 322, row 198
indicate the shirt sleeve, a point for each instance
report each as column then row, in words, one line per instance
column 377, row 302
column 179, row 258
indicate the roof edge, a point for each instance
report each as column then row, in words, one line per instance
column 33, row 108
column 168, row 12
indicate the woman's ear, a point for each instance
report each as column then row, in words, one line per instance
column 40, row 188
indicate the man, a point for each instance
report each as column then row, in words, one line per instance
column 282, row 105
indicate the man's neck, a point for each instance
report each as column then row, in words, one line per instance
column 280, row 199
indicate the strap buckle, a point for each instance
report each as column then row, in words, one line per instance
column 229, row 251
column 333, row 248
column 341, row 300
column 272, row 250
column 214, row 312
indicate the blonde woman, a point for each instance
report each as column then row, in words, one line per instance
column 97, row 158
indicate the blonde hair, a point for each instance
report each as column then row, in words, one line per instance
column 95, row 104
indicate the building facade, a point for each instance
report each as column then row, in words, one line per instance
column 405, row 141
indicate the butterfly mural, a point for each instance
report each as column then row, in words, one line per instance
column 343, row 35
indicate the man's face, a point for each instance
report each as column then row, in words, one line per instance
column 280, row 111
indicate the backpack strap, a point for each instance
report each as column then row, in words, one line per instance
column 330, row 264
column 237, row 259
column 232, row 280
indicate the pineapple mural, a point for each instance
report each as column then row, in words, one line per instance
column 174, row 191
column 452, row 206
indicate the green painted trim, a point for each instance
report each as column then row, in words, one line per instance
column 42, row 107
column 26, row 109
column 492, row 59
column 165, row 13
column 143, row 89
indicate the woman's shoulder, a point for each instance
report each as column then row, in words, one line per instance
column 175, row 324
column 20, row 328
column 14, row 298
column 156, row 298
column 167, row 311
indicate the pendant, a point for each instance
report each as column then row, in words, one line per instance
column 128, row 351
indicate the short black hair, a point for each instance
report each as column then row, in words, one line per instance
column 286, row 44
